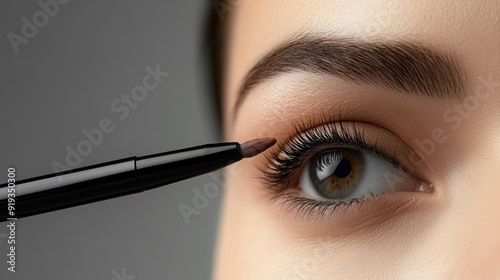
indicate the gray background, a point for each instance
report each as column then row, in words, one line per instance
column 63, row 81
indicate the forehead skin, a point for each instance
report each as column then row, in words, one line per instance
column 463, row 237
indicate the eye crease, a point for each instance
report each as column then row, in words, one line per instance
column 338, row 164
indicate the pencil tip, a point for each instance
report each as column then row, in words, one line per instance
column 256, row 146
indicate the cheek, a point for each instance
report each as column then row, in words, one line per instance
column 474, row 211
column 266, row 244
column 248, row 237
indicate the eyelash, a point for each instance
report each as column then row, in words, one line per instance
column 285, row 164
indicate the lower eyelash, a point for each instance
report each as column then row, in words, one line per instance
column 307, row 207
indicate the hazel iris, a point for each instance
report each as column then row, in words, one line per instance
column 335, row 173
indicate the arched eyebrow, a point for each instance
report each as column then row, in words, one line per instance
column 408, row 67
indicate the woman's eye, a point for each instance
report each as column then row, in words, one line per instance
column 346, row 173
column 341, row 163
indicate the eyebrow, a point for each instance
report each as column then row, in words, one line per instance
column 408, row 67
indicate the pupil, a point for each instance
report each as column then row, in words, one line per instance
column 343, row 168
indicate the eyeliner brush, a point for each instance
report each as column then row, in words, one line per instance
column 121, row 177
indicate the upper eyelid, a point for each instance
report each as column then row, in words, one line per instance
column 327, row 120
column 301, row 130
column 278, row 163
column 357, row 127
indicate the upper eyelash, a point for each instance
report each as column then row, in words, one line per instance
column 285, row 162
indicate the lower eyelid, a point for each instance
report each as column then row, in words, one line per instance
column 358, row 218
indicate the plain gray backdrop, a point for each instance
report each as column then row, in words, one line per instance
column 63, row 80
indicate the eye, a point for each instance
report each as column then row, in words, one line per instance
column 346, row 174
column 340, row 164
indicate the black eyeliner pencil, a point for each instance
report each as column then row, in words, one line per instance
column 121, row 177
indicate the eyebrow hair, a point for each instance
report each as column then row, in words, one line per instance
column 405, row 66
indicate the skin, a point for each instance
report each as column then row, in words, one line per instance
column 451, row 233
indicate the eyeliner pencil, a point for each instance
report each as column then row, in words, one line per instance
column 121, row 177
